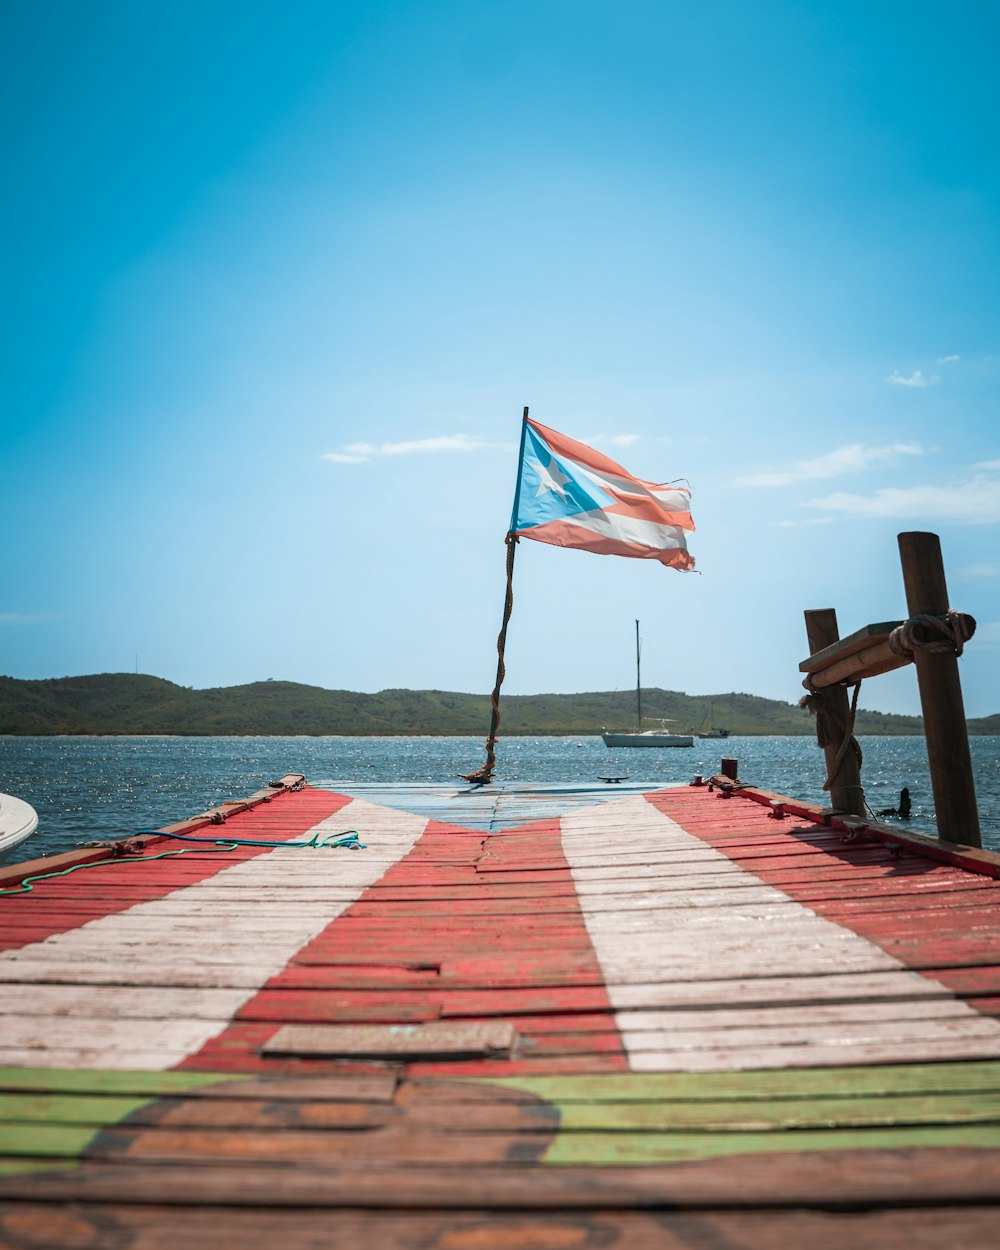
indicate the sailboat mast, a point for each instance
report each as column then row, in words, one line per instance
column 638, row 683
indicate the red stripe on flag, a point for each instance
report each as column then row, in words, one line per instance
column 590, row 456
column 567, row 534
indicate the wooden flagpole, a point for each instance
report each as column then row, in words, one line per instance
column 483, row 776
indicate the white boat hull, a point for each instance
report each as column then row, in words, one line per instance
column 18, row 820
column 649, row 739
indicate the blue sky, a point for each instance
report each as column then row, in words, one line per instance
column 280, row 278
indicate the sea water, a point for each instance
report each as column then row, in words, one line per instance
column 110, row 787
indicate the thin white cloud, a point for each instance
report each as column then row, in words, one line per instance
column 916, row 378
column 811, row 520
column 340, row 457
column 989, row 466
column 948, row 360
column 972, row 501
column 851, row 458
column 986, row 568
column 358, row 453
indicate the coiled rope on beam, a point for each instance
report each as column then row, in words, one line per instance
column 941, row 634
column 948, row 634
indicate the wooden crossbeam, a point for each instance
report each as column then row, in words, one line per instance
column 865, row 653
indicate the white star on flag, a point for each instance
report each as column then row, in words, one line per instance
column 553, row 478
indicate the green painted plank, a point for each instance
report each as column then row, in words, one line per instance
column 848, row 1082
column 755, row 1116
column 49, row 1140
column 604, row 1149
column 73, row 1080
column 730, row 1115
column 60, row 1108
column 867, row 636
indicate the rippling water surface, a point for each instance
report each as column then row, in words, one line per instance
column 86, row 788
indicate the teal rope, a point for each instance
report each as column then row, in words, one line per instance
column 27, row 885
column 349, row 840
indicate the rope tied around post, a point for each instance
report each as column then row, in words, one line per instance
column 483, row 776
column 948, row 634
column 832, row 728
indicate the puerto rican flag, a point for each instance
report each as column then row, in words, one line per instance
column 570, row 495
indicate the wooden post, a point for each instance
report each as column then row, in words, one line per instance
column 846, row 794
column 940, row 696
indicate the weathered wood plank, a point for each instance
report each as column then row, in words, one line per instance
column 418, row 1147
column 879, row 1080
column 416, row 1041
column 380, row 1087
column 834, row 1180
column 812, row 1055
column 108, row 1226
column 790, row 990
column 116, row 1001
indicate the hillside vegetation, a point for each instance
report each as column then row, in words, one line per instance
column 126, row 703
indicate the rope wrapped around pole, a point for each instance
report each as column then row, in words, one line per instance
column 483, row 776
column 948, row 634
column 830, row 728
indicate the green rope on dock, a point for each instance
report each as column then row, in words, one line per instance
column 349, row 840
column 27, row 885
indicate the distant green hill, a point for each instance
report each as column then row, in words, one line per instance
column 127, row 703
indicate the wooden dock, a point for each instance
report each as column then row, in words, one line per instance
column 693, row 1017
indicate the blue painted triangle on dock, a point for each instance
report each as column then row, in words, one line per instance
column 491, row 808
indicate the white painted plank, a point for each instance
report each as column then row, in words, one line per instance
column 120, row 1035
column 820, row 1055
column 803, row 990
column 111, row 1001
column 695, row 860
column 85, row 1057
column 911, row 1013
column 784, row 919
column 843, row 1032
column 741, row 963
column 274, row 900
column 741, row 894
column 28, row 971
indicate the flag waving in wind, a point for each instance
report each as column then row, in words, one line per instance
column 570, row 495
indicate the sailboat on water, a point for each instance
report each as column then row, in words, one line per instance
column 644, row 737
column 714, row 731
